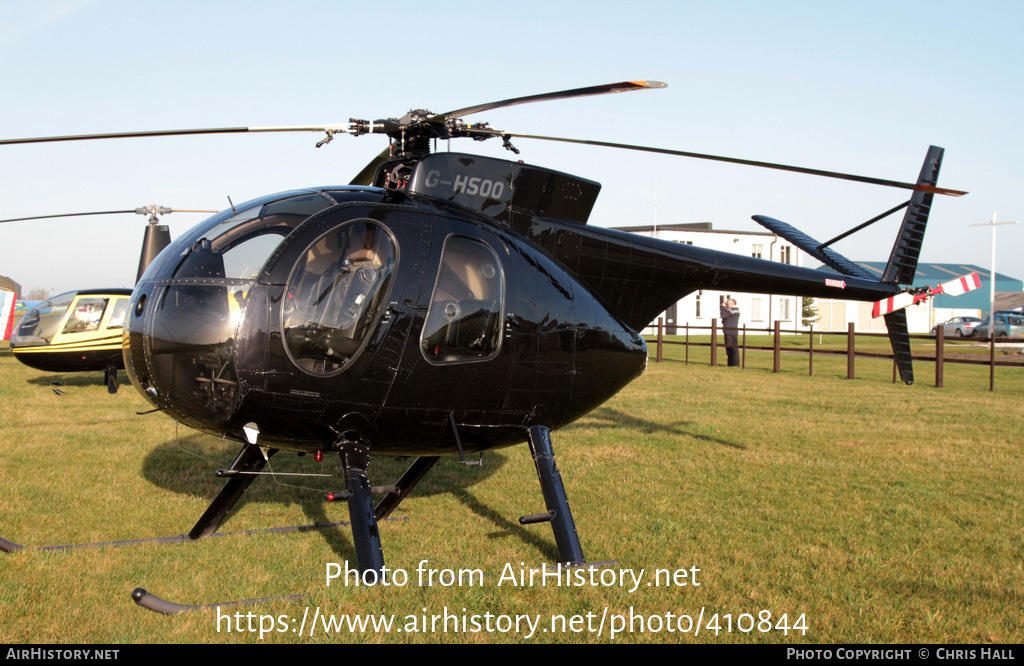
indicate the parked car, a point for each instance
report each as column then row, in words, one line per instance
column 958, row 327
column 1006, row 326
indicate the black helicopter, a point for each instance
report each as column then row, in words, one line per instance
column 442, row 303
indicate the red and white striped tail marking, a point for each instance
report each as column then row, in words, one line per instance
column 892, row 304
column 960, row 285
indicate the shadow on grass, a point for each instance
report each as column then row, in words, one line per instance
column 508, row 527
column 606, row 417
column 84, row 378
column 186, row 465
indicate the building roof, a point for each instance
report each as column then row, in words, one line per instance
column 10, row 285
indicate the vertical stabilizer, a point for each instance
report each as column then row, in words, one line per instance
column 902, row 266
column 903, row 260
column 899, row 337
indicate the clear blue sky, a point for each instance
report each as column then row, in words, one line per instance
column 859, row 87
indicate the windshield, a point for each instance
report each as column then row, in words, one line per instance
column 42, row 322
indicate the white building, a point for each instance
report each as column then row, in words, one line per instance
column 757, row 311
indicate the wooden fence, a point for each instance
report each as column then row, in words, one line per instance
column 851, row 353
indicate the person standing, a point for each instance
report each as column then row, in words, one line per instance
column 730, row 327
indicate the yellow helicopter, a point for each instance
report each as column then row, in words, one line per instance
column 73, row 332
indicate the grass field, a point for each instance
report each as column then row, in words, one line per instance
column 862, row 511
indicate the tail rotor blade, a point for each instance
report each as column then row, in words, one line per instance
column 956, row 287
column 959, row 286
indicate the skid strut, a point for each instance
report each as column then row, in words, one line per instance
column 365, row 536
column 417, row 470
column 249, row 459
column 559, row 514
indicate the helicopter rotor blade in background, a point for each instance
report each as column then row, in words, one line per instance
column 155, row 239
column 47, row 217
column 734, row 160
column 143, row 210
column 625, row 86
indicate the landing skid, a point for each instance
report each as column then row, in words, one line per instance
column 11, row 547
column 364, row 516
column 153, row 603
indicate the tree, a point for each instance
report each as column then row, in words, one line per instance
column 809, row 311
column 38, row 294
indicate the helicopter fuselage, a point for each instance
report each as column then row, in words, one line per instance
column 358, row 314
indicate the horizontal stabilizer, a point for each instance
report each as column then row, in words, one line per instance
column 825, row 255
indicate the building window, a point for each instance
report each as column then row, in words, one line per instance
column 756, row 309
column 757, row 251
column 785, row 255
column 697, row 307
column 786, row 309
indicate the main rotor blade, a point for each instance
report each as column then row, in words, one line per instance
column 625, row 86
column 735, row 160
column 178, row 132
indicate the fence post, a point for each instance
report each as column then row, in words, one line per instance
column 851, row 345
column 777, row 353
column 810, row 353
column 940, row 353
column 660, row 329
column 686, row 345
column 992, row 355
column 743, row 347
column 714, row 342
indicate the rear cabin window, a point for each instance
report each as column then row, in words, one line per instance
column 464, row 319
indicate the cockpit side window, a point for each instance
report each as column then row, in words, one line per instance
column 86, row 315
column 335, row 294
column 464, row 319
